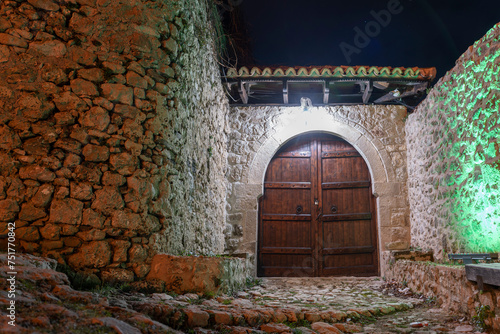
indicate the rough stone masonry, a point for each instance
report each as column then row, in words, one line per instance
column 112, row 132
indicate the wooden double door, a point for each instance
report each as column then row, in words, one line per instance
column 316, row 217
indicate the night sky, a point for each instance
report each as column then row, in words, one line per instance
column 325, row 32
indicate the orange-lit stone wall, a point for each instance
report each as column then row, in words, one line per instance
column 112, row 132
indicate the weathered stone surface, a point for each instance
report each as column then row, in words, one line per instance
column 118, row 93
column 91, row 235
column 35, row 107
column 96, row 117
column 171, row 46
column 107, row 200
column 92, row 74
column 137, row 254
column 72, row 160
column 275, row 328
column 135, row 80
column 49, row 48
column 28, row 233
column 186, row 274
column 9, row 139
column 50, row 232
column 117, row 276
column 95, row 153
column 86, row 174
column 117, row 325
column 130, row 112
column 92, row 218
column 83, row 88
column 129, row 221
column 221, row 317
column 54, row 74
column 453, row 155
column 48, row 5
column 82, row 56
column 113, row 179
column 324, row 328
column 37, row 173
column 81, row 191
column 123, row 163
column 4, row 53
column 30, row 212
column 60, row 136
column 68, row 101
column 43, row 196
column 8, row 210
column 132, row 129
column 69, row 145
column 12, row 40
column 120, row 250
column 64, row 118
column 196, row 317
column 95, row 254
column 66, row 211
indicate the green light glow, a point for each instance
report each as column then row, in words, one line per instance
column 472, row 102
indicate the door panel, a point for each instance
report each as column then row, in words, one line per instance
column 315, row 218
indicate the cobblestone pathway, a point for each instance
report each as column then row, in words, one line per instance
column 45, row 303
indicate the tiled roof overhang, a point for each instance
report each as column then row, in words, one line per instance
column 335, row 72
column 327, row 85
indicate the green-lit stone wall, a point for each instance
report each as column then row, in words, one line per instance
column 453, row 156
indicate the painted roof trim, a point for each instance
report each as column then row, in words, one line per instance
column 415, row 73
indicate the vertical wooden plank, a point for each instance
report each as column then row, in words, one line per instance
column 315, row 196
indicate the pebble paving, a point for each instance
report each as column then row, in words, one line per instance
column 45, row 303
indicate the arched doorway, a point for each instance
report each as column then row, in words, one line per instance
column 317, row 214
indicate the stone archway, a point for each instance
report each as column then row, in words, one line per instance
column 388, row 180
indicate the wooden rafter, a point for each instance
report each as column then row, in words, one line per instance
column 285, row 92
column 242, row 90
column 326, row 92
column 368, row 91
column 391, row 96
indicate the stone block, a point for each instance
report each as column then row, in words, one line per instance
column 196, row 317
column 49, row 48
column 199, row 274
column 29, row 212
column 95, row 254
column 43, row 196
column 107, row 200
column 66, row 211
column 28, row 233
column 118, row 93
column 96, row 117
column 95, row 153
column 10, row 40
column 9, row 139
column 324, row 328
column 8, row 210
column 117, row 276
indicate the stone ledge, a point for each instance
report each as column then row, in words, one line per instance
column 413, row 255
column 449, row 285
column 198, row 274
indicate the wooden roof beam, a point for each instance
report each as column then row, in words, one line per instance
column 391, row 96
column 285, row 92
column 368, row 91
column 326, row 92
column 242, row 90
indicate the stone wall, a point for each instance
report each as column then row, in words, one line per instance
column 449, row 286
column 258, row 132
column 453, row 156
column 112, row 131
